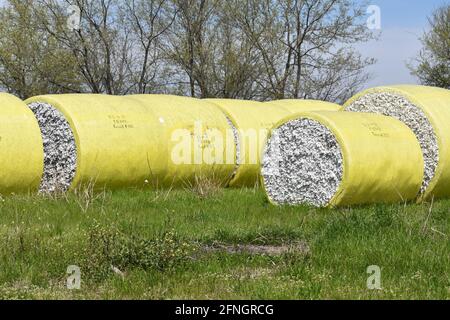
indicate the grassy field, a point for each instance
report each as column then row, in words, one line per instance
column 229, row 245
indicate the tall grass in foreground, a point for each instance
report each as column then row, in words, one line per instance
column 229, row 244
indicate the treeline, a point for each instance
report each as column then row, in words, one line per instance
column 248, row 49
column 432, row 65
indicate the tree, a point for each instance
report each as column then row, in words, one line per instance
column 206, row 44
column 149, row 20
column 100, row 45
column 237, row 62
column 247, row 49
column 432, row 66
column 117, row 45
column 30, row 62
column 306, row 46
column 189, row 43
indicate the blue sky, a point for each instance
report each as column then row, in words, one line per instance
column 402, row 23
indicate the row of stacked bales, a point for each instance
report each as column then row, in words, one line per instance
column 303, row 152
column 74, row 140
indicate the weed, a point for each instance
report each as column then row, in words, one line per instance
column 205, row 187
column 109, row 250
column 87, row 194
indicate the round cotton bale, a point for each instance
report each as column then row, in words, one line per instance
column 21, row 152
column 115, row 142
column 329, row 159
column 94, row 140
column 426, row 111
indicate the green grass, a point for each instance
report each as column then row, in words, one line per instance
column 162, row 242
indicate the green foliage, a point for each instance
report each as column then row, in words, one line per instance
column 254, row 49
column 31, row 63
column 432, row 66
column 108, row 249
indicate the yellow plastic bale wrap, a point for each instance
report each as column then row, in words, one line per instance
column 381, row 159
column 299, row 105
column 128, row 141
column 195, row 139
column 252, row 122
column 435, row 104
column 21, row 152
